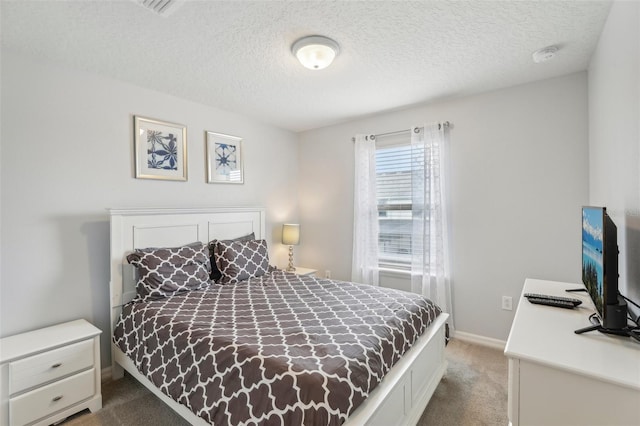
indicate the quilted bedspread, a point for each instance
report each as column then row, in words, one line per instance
column 280, row 349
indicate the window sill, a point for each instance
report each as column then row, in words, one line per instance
column 394, row 272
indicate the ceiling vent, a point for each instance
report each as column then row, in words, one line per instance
column 160, row 7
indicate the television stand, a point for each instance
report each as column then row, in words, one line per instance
column 618, row 332
column 553, row 371
column 619, row 318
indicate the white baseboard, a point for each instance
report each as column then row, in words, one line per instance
column 480, row 340
column 105, row 374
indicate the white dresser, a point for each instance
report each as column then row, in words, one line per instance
column 48, row 374
column 557, row 377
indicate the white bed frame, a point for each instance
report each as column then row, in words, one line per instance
column 399, row 399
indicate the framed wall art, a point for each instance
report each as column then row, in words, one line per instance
column 160, row 149
column 224, row 158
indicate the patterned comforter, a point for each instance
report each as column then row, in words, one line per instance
column 278, row 349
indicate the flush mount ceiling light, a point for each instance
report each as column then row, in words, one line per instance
column 161, row 7
column 545, row 54
column 315, row 52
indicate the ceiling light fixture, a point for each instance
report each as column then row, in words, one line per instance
column 545, row 54
column 315, row 52
column 161, row 7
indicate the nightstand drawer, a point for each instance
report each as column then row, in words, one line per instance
column 47, row 366
column 48, row 399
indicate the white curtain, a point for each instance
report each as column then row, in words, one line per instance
column 365, row 213
column 430, row 269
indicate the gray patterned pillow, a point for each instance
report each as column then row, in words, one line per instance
column 239, row 261
column 214, row 272
column 163, row 272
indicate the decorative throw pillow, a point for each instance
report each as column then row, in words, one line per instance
column 239, row 261
column 215, row 272
column 163, row 272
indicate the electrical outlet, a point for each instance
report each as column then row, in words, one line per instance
column 327, row 273
column 507, row 303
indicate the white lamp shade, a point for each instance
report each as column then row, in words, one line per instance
column 291, row 234
column 315, row 52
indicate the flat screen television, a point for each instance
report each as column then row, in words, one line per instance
column 600, row 266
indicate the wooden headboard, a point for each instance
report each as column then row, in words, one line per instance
column 170, row 227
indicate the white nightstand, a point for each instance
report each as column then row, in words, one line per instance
column 305, row 271
column 48, row 374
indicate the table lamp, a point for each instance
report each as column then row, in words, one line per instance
column 291, row 237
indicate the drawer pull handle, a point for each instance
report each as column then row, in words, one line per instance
column 56, row 365
column 57, row 398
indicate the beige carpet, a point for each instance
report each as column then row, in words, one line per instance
column 473, row 392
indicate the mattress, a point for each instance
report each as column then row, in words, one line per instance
column 277, row 349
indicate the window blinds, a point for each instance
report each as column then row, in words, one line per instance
column 393, row 182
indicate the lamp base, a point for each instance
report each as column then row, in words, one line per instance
column 291, row 268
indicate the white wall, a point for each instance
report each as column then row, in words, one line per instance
column 614, row 135
column 67, row 156
column 519, row 178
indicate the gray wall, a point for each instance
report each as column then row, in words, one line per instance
column 614, row 135
column 519, row 176
column 67, row 156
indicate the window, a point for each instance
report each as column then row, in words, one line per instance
column 393, row 183
column 400, row 218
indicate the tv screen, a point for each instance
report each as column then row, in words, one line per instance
column 593, row 255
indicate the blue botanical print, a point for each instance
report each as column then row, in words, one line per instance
column 225, row 159
column 162, row 151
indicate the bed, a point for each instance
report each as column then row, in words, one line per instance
column 392, row 387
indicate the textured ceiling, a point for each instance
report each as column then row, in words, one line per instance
column 235, row 55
